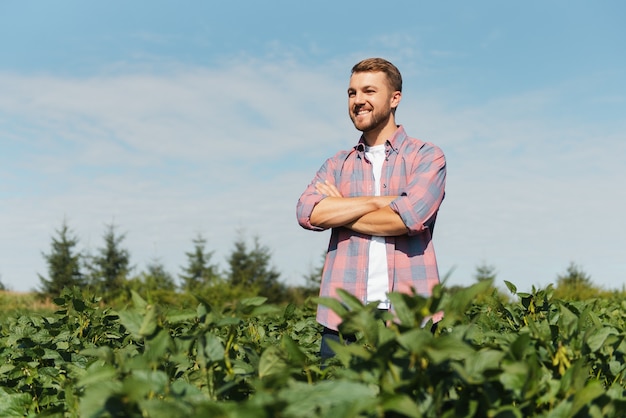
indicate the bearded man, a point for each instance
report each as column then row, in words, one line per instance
column 380, row 198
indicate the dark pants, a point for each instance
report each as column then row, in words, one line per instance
column 328, row 334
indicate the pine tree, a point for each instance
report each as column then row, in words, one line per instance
column 156, row 277
column 64, row 264
column 199, row 272
column 575, row 284
column 574, row 277
column 485, row 272
column 251, row 269
column 110, row 268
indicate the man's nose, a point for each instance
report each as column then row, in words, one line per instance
column 359, row 98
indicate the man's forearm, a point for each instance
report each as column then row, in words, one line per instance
column 370, row 215
column 333, row 212
column 383, row 222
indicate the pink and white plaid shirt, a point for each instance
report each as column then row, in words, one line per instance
column 415, row 171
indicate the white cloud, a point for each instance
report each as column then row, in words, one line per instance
column 191, row 115
column 530, row 188
column 214, row 150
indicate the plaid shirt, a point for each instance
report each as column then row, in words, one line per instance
column 415, row 171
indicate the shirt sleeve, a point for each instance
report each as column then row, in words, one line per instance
column 418, row 204
column 311, row 197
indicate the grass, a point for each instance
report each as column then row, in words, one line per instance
column 23, row 302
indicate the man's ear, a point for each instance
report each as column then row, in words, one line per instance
column 396, row 97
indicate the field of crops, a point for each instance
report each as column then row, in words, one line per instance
column 536, row 356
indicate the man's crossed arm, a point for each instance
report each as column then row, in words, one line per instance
column 369, row 215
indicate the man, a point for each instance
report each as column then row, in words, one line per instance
column 380, row 198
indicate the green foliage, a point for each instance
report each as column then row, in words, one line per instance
column 576, row 284
column 537, row 357
column 13, row 303
column 111, row 266
column 90, row 361
column 251, row 268
column 199, row 272
column 64, row 263
column 485, row 272
column 154, row 278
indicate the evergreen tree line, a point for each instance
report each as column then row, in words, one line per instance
column 572, row 284
column 107, row 272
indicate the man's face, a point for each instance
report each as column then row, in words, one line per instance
column 370, row 100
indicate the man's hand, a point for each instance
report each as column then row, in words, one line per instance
column 328, row 189
column 335, row 210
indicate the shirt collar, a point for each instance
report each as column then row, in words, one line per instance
column 394, row 142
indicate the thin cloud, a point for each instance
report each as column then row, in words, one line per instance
column 214, row 150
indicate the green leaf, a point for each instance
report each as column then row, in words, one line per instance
column 448, row 348
column 157, row 347
column 263, row 310
column 401, row 309
column 290, row 311
column 254, row 301
column 103, row 353
column 158, row 408
column 138, row 302
column 512, row 288
column 521, row 344
column 271, row 362
column 15, row 404
column 508, row 411
column 79, row 304
column 456, row 307
column 149, row 323
column 6, row 368
column 339, row 398
column 333, row 304
column 177, row 316
column 96, row 397
column 144, row 383
column 213, row 348
column 585, row 396
column 361, row 321
column 402, row 404
column 596, row 339
column 481, row 361
column 139, row 326
column 568, row 321
column 416, row 340
column 296, row 355
column 98, row 373
column 514, row 376
column 132, row 322
column 349, row 300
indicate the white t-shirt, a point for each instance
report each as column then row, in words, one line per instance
column 378, row 276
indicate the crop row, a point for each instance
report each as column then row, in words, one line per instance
column 539, row 356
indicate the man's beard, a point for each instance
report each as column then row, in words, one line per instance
column 375, row 120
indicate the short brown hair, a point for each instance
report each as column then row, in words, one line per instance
column 379, row 64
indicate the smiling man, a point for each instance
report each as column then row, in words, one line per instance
column 380, row 198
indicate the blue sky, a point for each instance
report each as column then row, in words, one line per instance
column 173, row 119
